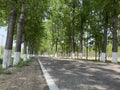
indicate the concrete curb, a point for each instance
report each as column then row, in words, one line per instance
column 49, row 80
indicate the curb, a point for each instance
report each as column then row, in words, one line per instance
column 51, row 84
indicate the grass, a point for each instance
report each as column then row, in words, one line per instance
column 119, row 63
column 6, row 72
column 23, row 63
column 20, row 65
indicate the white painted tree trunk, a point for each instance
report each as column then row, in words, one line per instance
column 28, row 56
column 80, row 55
column 103, row 57
column 25, row 57
column 6, row 58
column 73, row 55
column 16, row 58
column 32, row 55
column 114, row 57
column 56, row 55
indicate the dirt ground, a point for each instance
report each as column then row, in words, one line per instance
column 26, row 78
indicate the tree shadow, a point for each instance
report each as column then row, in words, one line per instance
column 79, row 75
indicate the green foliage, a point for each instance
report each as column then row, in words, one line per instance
column 0, row 61
column 89, row 15
column 34, row 29
column 20, row 65
column 6, row 72
column 48, row 24
column 23, row 63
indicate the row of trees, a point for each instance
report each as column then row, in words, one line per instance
column 72, row 25
column 60, row 26
column 24, row 20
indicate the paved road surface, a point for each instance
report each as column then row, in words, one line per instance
column 80, row 75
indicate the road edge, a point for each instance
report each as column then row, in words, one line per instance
column 51, row 84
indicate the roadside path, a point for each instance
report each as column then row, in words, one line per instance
column 27, row 78
column 81, row 75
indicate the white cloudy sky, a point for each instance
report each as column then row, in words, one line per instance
column 3, row 33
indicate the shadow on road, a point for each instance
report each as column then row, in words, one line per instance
column 81, row 75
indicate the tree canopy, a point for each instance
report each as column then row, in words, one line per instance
column 67, row 26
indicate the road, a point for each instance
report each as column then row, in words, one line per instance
column 83, row 75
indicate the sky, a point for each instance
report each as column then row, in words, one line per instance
column 3, row 34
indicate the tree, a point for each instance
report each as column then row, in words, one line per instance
column 10, row 32
column 20, row 27
column 115, row 4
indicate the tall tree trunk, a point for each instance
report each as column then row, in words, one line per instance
column 9, row 40
column 56, row 47
column 73, row 25
column 99, row 54
column 95, row 54
column 81, row 39
column 29, row 50
column 81, row 31
column 104, row 46
column 87, row 48
column 114, row 32
column 52, row 44
column 19, row 34
column 25, row 48
column 95, row 47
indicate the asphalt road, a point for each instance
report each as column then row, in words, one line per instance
column 82, row 75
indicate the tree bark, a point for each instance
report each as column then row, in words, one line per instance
column 73, row 34
column 19, row 34
column 87, row 47
column 56, row 47
column 25, row 48
column 81, row 39
column 81, row 31
column 104, row 46
column 95, row 49
column 114, row 32
column 9, row 40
